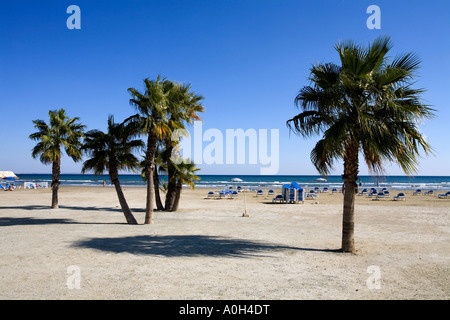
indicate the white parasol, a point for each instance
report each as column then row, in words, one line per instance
column 8, row 174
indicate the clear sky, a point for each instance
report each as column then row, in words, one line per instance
column 248, row 58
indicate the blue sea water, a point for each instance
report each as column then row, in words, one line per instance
column 269, row 181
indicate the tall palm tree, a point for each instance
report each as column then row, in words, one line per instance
column 183, row 108
column 61, row 132
column 159, row 166
column 366, row 105
column 113, row 151
column 185, row 173
column 152, row 118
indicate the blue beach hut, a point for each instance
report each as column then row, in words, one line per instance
column 299, row 193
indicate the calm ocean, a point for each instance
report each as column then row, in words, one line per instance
column 220, row 181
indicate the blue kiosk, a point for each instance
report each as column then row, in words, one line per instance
column 293, row 193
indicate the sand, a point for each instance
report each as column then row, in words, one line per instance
column 207, row 250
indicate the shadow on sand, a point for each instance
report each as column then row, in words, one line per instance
column 23, row 221
column 186, row 246
column 41, row 207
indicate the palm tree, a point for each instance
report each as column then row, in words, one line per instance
column 183, row 106
column 61, row 132
column 152, row 118
column 159, row 166
column 113, row 151
column 184, row 174
column 367, row 105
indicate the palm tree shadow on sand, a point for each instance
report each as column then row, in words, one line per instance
column 187, row 246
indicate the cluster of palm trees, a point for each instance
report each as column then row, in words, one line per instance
column 162, row 107
column 366, row 105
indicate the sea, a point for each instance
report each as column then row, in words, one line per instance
column 251, row 181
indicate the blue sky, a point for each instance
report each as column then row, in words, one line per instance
column 248, row 58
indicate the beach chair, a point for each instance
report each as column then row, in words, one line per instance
column 444, row 196
column 270, row 193
column 429, row 193
column 334, row 190
column 418, row 191
column 386, row 193
column 227, row 194
column 259, row 193
column 325, row 189
column 316, row 189
column 220, row 194
column 234, row 194
column 311, row 195
column 210, row 195
column 278, row 198
column 400, row 196
column 372, row 193
column 1, row 187
column 380, row 195
column 363, row 192
column 239, row 189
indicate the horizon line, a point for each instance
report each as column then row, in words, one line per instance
column 266, row 175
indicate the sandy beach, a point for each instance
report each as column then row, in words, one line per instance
column 207, row 250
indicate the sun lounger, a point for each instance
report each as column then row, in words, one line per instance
column 278, row 198
column 259, row 193
column 311, row 195
column 418, row 191
column 363, row 192
column 444, row 196
column 380, row 195
column 400, row 196
column 210, row 194
column 270, row 193
column 334, row 190
column 429, row 193
column 220, row 194
column 372, row 193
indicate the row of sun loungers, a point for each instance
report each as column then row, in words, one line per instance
column 314, row 194
column 223, row 194
column 431, row 192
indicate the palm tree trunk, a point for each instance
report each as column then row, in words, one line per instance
column 150, row 167
column 113, row 174
column 350, row 188
column 159, row 204
column 172, row 181
column 179, row 188
column 56, row 170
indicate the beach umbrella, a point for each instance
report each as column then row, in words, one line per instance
column 8, row 175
